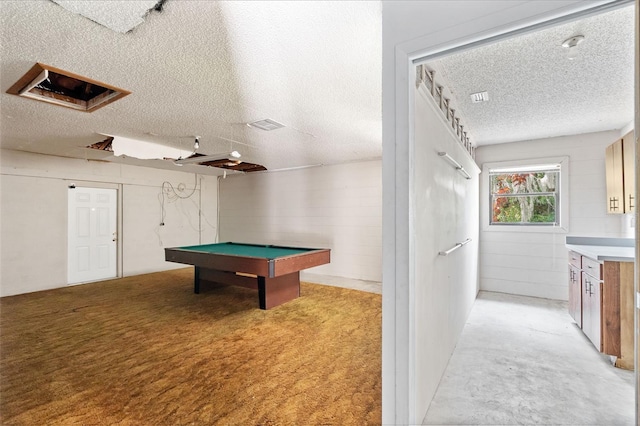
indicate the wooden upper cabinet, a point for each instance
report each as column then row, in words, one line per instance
column 614, row 175
column 629, row 180
column 620, row 174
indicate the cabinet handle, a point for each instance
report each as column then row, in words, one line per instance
column 613, row 203
column 631, row 198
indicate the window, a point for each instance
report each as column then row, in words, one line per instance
column 556, row 204
column 525, row 195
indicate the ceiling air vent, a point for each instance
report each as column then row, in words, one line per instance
column 266, row 124
column 479, row 97
column 48, row 84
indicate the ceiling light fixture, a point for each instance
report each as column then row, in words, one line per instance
column 571, row 45
column 196, row 144
column 231, row 156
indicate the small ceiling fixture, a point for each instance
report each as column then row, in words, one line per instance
column 479, row 97
column 266, row 124
column 196, row 144
column 571, row 44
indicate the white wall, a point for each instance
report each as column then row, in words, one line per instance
column 33, row 209
column 446, row 213
column 337, row 207
column 535, row 263
column 411, row 30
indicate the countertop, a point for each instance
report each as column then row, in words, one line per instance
column 603, row 249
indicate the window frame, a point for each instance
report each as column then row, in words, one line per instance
column 562, row 200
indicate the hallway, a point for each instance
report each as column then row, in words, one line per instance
column 521, row 360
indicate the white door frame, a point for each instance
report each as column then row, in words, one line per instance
column 105, row 185
column 637, row 234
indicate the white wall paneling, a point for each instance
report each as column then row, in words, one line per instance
column 33, row 245
column 445, row 213
column 34, row 216
column 337, row 207
column 534, row 263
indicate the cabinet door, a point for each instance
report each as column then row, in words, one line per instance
column 591, row 309
column 575, row 295
column 629, row 158
column 586, row 306
column 614, row 170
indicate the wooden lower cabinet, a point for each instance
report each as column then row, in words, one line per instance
column 627, row 328
column 601, row 303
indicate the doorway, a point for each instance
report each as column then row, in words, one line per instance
column 92, row 234
column 509, row 260
column 409, row 45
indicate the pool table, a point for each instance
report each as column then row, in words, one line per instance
column 273, row 270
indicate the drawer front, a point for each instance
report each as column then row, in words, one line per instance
column 592, row 267
column 575, row 259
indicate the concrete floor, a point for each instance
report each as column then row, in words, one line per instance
column 521, row 360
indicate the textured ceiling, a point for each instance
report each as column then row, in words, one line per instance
column 536, row 92
column 208, row 68
column 205, row 68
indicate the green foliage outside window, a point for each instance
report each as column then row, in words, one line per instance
column 524, row 197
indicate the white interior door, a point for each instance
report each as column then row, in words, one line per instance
column 92, row 234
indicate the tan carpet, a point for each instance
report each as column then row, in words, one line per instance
column 145, row 350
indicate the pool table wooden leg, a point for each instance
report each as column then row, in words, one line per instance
column 276, row 291
column 196, row 281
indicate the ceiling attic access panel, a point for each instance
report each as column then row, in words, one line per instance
column 55, row 86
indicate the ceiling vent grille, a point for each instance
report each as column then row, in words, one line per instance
column 55, row 86
column 479, row 97
column 266, row 124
